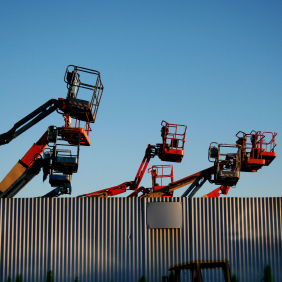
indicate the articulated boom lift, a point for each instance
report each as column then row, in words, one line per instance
column 61, row 157
column 256, row 152
column 60, row 163
column 250, row 153
column 171, row 149
column 57, row 151
column 225, row 172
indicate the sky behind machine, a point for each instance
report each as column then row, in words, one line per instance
column 212, row 66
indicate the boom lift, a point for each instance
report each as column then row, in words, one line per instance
column 159, row 173
column 72, row 107
column 57, row 163
column 225, row 172
column 32, row 162
column 199, row 178
column 252, row 152
column 256, row 152
column 171, row 149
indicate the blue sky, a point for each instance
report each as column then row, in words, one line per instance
column 213, row 65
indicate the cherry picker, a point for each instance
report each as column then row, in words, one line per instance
column 171, row 150
column 246, row 156
column 59, row 163
column 250, row 153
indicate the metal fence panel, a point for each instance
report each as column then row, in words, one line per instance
column 108, row 239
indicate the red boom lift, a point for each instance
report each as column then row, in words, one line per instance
column 171, row 149
column 248, row 157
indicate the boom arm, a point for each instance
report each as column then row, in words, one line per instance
column 31, row 119
column 149, row 153
column 76, row 108
column 197, row 180
column 215, row 193
column 24, row 170
column 180, row 183
column 132, row 185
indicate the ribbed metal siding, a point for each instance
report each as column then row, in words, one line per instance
column 107, row 239
column 246, row 231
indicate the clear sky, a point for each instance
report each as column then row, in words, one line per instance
column 215, row 66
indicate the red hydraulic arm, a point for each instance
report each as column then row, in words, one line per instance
column 198, row 178
column 149, row 153
column 131, row 185
column 224, row 165
column 216, row 192
column 17, row 178
column 29, row 166
column 164, row 191
column 113, row 191
column 171, row 149
column 35, row 151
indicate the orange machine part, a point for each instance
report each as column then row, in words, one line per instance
column 35, row 151
column 71, row 135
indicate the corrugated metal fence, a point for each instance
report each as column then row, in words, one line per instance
column 108, row 239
